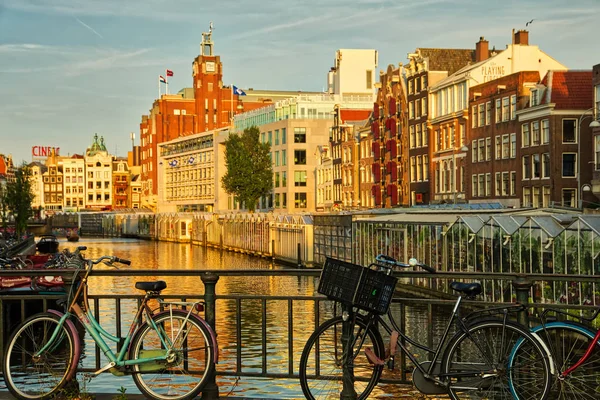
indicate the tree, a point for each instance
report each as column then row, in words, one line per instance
column 3, row 207
column 249, row 168
column 19, row 197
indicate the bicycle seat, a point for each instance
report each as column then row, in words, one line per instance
column 469, row 289
column 151, row 286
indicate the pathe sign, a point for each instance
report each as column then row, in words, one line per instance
column 44, row 151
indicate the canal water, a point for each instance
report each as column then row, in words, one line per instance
column 165, row 256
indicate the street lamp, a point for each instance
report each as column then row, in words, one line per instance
column 463, row 149
column 594, row 124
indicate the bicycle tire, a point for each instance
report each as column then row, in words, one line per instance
column 44, row 378
column 567, row 342
column 506, row 349
column 186, row 375
column 317, row 385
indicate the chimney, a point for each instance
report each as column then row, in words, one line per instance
column 482, row 50
column 522, row 37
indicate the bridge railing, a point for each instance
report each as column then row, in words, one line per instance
column 262, row 336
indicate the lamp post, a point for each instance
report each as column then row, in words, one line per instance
column 463, row 149
column 593, row 124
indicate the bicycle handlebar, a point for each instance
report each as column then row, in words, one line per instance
column 384, row 259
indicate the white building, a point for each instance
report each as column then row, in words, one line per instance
column 74, row 183
column 353, row 74
column 98, row 169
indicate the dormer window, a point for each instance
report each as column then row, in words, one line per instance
column 534, row 101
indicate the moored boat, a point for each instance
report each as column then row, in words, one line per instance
column 48, row 244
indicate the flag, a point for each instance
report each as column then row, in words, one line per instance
column 162, row 79
column 238, row 91
column 169, row 72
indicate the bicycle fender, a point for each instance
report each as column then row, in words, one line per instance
column 213, row 335
column 77, row 343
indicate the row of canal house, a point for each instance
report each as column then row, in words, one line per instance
column 457, row 125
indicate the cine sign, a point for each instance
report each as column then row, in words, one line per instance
column 44, row 151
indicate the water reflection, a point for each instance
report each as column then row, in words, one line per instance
column 279, row 350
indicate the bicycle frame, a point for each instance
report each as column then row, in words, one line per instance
column 93, row 327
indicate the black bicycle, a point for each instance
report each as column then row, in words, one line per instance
column 347, row 354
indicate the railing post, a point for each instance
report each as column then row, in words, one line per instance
column 348, row 391
column 523, row 286
column 299, row 255
column 211, row 390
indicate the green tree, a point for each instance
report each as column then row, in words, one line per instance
column 19, row 197
column 249, row 168
column 3, row 207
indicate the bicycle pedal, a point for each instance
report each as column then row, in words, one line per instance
column 373, row 359
column 390, row 363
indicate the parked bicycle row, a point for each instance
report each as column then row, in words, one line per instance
column 171, row 351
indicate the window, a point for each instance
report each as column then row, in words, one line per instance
column 535, row 166
column 270, row 135
column 568, row 131
column 536, row 196
column 283, row 136
column 488, row 148
column 533, row 98
column 300, row 157
column 481, row 115
column 481, row 155
column 568, row 198
column 418, row 108
column 474, row 151
column 283, row 157
column 284, row 181
column 526, row 168
column 474, row 185
column 513, row 107
column 568, row 165
column 498, row 183
column 419, row 169
column 411, row 136
column 505, row 184
column 498, row 115
column 505, row 146
column 299, row 178
column 535, row 133
column 411, row 86
column 513, row 145
column 417, row 85
column 488, row 184
column 505, row 109
column 425, row 167
column 276, row 136
column 498, row 147
column 369, row 79
column 546, row 165
column 545, row 131
column 525, row 135
column 513, row 183
column 526, row 197
column 481, row 188
column 424, row 133
column 546, row 196
column 419, row 138
column 299, row 135
column 424, row 106
column 474, row 117
column 413, row 169
column 488, row 113
column 299, row 200
column 411, row 110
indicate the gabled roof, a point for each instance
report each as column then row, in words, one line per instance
column 570, row 90
column 450, row 60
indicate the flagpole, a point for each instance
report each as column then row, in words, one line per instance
column 167, row 81
column 231, row 121
column 159, row 87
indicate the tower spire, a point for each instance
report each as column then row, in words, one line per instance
column 206, row 47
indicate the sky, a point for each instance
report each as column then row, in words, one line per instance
column 73, row 68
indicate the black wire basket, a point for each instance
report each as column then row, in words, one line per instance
column 358, row 286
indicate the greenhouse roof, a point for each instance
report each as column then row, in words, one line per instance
column 509, row 224
column 593, row 222
column 548, row 225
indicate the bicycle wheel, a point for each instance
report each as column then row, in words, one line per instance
column 321, row 361
column 493, row 360
column 191, row 360
column 28, row 376
column 567, row 343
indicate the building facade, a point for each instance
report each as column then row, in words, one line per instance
column 425, row 68
column 120, row 183
column 98, row 169
column 596, row 131
column 53, row 185
column 74, row 183
column 556, row 151
column 492, row 172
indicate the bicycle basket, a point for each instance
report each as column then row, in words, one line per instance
column 353, row 284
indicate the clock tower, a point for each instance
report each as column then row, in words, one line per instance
column 208, row 87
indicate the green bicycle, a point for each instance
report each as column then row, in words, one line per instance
column 170, row 352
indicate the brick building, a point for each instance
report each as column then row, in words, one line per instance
column 491, row 173
column 596, row 131
column 120, row 181
column 389, row 142
column 556, row 153
column 425, row 68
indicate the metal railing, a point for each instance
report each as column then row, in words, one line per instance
column 243, row 319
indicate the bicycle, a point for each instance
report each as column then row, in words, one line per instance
column 472, row 364
column 574, row 350
column 170, row 353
